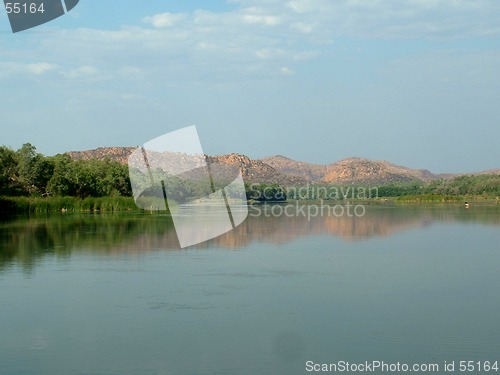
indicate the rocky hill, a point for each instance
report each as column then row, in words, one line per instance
column 285, row 171
column 491, row 171
column 253, row 171
column 362, row 170
column 347, row 171
column 119, row 154
column 303, row 170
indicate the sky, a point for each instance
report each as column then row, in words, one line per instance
column 416, row 83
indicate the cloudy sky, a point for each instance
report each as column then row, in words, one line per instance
column 413, row 82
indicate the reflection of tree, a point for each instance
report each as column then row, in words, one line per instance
column 27, row 241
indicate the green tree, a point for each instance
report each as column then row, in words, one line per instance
column 8, row 172
column 265, row 192
column 27, row 158
column 33, row 170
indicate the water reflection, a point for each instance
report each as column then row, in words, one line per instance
column 25, row 240
column 413, row 284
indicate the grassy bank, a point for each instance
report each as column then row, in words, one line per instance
column 442, row 198
column 20, row 205
column 431, row 198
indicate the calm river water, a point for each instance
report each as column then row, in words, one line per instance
column 114, row 294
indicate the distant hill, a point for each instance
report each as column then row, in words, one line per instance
column 286, row 171
column 373, row 172
column 256, row 171
column 303, row 170
column 119, row 154
column 253, row 171
column 347, row 171
column 491, row 171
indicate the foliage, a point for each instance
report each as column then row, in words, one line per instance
column 401, row 189
column 479, row 185
column 8, row 171
column 430, row 198
column 38, row 205
column 487, row 185
column 265, row 192
column 26, row 172
column 27, row 239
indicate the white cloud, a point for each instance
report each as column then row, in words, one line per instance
column 9, row 69
column 255, row 38
column 260, row 19
column 270, row 53
column 40, row 68
column 304, row 27
column 309, row 6
column 165, row 19
column 253, row 63
column 82, row 71
column 132, row 71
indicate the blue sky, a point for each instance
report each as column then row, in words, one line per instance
column 413, row 82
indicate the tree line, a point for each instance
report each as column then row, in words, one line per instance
column 486, row 185
column 26, row 172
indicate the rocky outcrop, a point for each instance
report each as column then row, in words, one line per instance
column 360, row 170
column 285, row 171
column 303, row 170
column 347, row 171
column 255, row 171
column 119, row 154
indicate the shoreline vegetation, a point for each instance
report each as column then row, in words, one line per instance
column 10, row 206
column 35, row 184
column 42, row 205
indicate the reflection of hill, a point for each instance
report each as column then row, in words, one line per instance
column 375, row 223
column 26, row 241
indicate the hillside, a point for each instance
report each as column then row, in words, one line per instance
column 491, row 171
column 362, row 170
column 119, row 154
column 347, row 171
column 253, row 171
column 306, row 171
column 285, row 171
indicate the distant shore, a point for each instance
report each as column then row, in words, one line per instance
column 38, row 205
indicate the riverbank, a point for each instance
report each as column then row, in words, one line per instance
column 38, row 205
